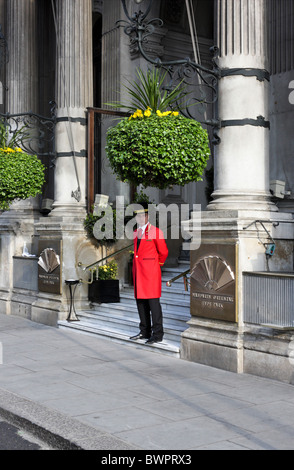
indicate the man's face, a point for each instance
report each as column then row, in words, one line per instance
column 141, row 219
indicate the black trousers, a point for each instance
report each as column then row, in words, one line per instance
column 145, row 307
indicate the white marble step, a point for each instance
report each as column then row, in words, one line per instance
column 119, row 321
column 164, row 347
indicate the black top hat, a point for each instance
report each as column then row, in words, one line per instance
column 142, row 208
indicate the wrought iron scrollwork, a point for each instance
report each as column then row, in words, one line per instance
column 195, row 76
column 32, row 132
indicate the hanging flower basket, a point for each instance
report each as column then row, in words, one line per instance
column 21, row 176
column 158, row 149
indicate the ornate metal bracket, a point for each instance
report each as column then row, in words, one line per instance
column 32, row 132
column 258, row 122
column 260, row 74
column 139, row 28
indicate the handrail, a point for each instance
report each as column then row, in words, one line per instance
column 184, row 275
column 111, row 255
column 105, row 257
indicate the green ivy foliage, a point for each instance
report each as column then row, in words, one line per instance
column 21, row 176
column 158, row 151
column 109, row 219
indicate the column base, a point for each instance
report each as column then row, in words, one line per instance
column 215, row 344
column 232, row 343
column 67, row 210
column 241, row 201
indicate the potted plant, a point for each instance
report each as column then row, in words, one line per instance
column 21, row 175
column 108, row 219
column 105, row 289
column 156, row 146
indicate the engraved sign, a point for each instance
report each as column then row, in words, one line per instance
column 213, row 283
column 49, row 266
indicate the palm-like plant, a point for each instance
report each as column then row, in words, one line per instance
column 149, row 92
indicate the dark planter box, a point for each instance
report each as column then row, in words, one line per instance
column 104, row 291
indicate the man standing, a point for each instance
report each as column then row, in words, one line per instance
column 150, row 253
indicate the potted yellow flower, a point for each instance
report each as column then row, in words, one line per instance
column 105, row 289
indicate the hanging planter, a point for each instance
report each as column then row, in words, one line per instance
column 158, row 150
column 155, row 147
column 21, row 176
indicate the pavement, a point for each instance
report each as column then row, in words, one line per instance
column 78, row 391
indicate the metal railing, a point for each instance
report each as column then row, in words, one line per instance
column 184, row 275
column 92, row 267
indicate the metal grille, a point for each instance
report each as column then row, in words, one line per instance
column 268, row 299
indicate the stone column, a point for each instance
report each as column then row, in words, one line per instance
column 116, row 68
column 22, row 68
column 232, row 238
column 17, row 224
column 74, row 90
column 242, row 158
column 74, row 93
column 22, row 72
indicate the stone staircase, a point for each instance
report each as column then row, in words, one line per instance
column 119, row 321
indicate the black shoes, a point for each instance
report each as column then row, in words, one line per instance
column 139, row 336
column 150, row 340
column 153, row 340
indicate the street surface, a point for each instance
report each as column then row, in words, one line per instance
column 14, row 438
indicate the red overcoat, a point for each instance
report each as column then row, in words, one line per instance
column 151, row 254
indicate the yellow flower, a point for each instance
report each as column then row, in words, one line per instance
column 175, row 113
column 136, row 114
column 18, row 149
column 147, row 113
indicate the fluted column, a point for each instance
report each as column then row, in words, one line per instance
column 242, row 158
column 22, row 72
column 22, row 68
column 74, row 93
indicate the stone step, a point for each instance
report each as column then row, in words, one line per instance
column 116, row 313
column 119, row 321
column 121, row 308
column 165, row 347
column 168, row 304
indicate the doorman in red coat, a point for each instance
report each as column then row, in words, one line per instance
column 150, row 253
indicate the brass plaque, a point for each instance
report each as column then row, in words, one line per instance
column 213, row 282
column 49, row 266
